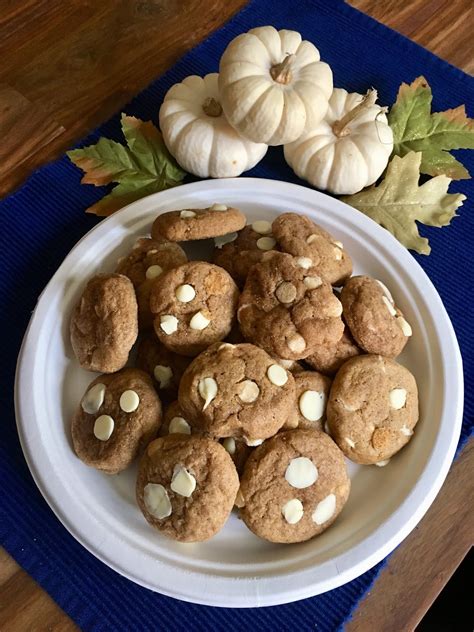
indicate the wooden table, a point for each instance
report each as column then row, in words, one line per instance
column 68, row 66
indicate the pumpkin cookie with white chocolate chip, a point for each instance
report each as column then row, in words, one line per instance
column 245, row 249
column 316, row 248
column 287, row 310
column 164, row 366
column 372, row 408
column 329, row 359
column 118, row 416
column 198, row 223
column 294, row 486
column 186, row 487
column 174, row 421
column 377, row 325
column 146, row 261
column 194, row 306
column 312, row 392
column 104, row 323
column 236, row 391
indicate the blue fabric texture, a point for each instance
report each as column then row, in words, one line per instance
column 42, row 221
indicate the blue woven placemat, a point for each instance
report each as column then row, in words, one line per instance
column 44, row 219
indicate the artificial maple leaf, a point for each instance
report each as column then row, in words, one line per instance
column 398, row 202
column 143, row 167
column 415, row 128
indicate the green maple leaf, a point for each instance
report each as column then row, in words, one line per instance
column 143, row 167
column 398, row 202
column 415, row 128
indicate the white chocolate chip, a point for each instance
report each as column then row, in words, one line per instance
column 199, row 322
column 222, row 240
column 286, row 292
column 297, row 343
column 301, row 472
column 185, row 293
column 311, row 238
column 157, row 501
column 182, row 482
column 179, row 425
column 286, row 364
column 239, row 500
column 153, row 272
column 253, row 443
column 187, row 214
column 226, row 345
column 152, row 251
column 169, row 324
column 129, row 401
column 406, row 431
column 312, row 282
column 312, row 405
column 249, row 391
column 207, row 390
column 389, row 306
column 324, row 510
column 398, row 398
column 277, row 375
column 334, row 308
column 163, row 375
column 218, row 207
column 386, row 291
column 337, row 254
column 262, row 227
column 229, row 445
column 349, row 442
column 103, row 427
column 404, row 326
column 304, row 262
column 382, row 463
column 338, row 244
column 93, row 399
column 266, row 243
column 293, row 511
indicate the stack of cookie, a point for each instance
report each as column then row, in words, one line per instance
column 268, row 374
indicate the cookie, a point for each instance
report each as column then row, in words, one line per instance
column 377, row 325
column 174, row 421
column 316, row 248
column 194, row 305
column 163, row 365
column 236, row 391
column 372, row 408
column 147, row 260
column 186, row 487
column 104, row 323
column 198, row 223
column 329, row 359
column 238, row 252
column 294, row 486
column 117, row 417
column 239, row 452
column 312, row 392
column 288, row 311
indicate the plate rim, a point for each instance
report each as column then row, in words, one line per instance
column 253, row 599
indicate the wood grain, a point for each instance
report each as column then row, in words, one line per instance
column 67, row 66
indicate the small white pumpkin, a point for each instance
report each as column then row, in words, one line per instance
column 349, row 149
column 197, row 133
column 273, row 84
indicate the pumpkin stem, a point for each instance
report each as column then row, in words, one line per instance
column 340, row 128
column 281, row 73
column 212, row 107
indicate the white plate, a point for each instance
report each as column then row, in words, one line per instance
column 236, row 568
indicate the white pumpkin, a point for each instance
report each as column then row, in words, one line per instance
column 198, row 135
column 349, row 149
column 272, row 84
